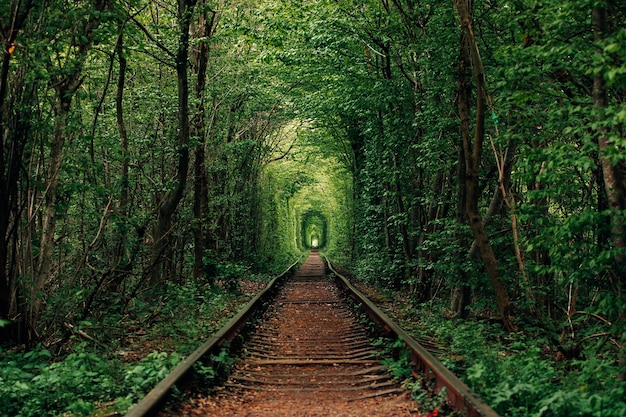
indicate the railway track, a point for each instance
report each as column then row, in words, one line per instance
column 310, row 355
column 312, row 343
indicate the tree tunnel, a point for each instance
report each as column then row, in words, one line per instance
column 306, row 198
column 314, row 229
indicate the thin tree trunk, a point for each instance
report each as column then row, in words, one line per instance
column 497, row 203
column 425, row 275
column 9, row 168
column 473, row 154
column 461, row 295
column 65, row 89
column 200, row 199
column 46, row 244
column 175, row 195
column 613, row 181
column 5, row 207
column 402, row 225
column 121, row 127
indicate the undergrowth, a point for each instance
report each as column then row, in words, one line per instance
column 522, row 375
column 92, row 378
column 398, row 362
column 30, row 383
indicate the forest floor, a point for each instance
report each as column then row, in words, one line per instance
column 140, row 343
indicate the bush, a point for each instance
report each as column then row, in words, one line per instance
column 518, row 376
column 143, row 376
column 29, row 384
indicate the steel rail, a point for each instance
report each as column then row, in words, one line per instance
column 458, row 394
column 151, row 403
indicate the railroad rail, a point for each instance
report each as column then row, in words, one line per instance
column 311, row 341
column 458, row 394
column 310, row 344
column 150, row 404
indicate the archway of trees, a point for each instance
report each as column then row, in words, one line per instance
column 308, row 193
column 469, row 154
column 314, row 230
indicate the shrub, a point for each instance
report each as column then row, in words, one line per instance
column 143, row 376
column 31, row 386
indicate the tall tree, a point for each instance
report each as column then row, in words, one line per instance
column 613, row 179
column 13, row 140
column 204, row 31
column 472, row 148
column 65, row 81
column 168, row 206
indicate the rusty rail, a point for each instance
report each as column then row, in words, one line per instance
column 458, row 394
column 151, row 403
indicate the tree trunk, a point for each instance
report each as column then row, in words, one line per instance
column 402, row 226
column 65, row 87
column 473, row 153
column 462, row 293
column 46, row 244
column 613, row 181
column 9, row 167
column 497, row 203
column 175, row 195
column 205, row 30
column 121, row 127
column 6, row 188
column 425, row 257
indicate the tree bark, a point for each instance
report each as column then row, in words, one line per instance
column 462, row 293
column 613, row 181
column 65, row 87
column 65, row 90
column 205, row 30
column 121, row 128
column 473, row 153
column 402, row 225
column 9, row 167
column 170, row 203
column 46, row 243
column 426, row 220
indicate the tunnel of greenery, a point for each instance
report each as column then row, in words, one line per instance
column 307, row 197
column 467, row 158
column 313, row 226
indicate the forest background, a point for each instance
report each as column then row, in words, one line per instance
column 470, row 154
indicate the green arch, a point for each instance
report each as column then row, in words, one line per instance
column 314, row 230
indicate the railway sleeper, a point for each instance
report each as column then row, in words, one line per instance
column 373, row 386
column 372, row 356
column 330, row 351
column 319, row 372
column 310, row 380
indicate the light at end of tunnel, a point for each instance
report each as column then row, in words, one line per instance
column 314, row 243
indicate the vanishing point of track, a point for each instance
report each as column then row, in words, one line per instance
column 310, row 355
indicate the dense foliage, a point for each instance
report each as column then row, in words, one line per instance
column 468, row 153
